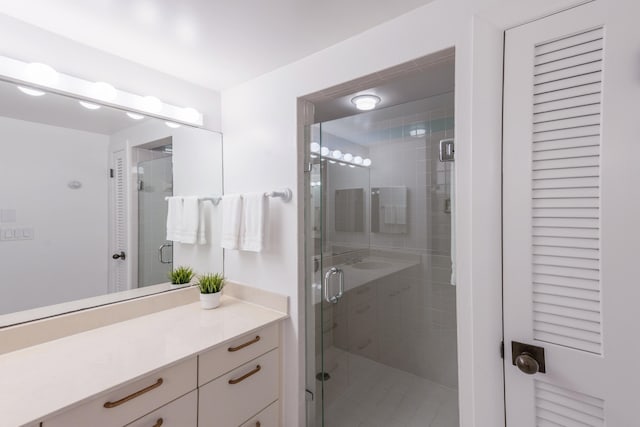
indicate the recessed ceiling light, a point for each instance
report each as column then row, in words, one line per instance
column 135, row 116
column 31, row 91
column 365, row 102
column 172, row 125
column 89, row 105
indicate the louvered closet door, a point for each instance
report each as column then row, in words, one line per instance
column 118, row 270
column 572, row 216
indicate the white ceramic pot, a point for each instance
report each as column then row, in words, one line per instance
column 209, row 301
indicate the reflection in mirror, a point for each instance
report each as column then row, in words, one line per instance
column 82, row 203
column 349, row 209
column 389, row 210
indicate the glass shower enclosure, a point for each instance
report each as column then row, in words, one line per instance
column 380, row 295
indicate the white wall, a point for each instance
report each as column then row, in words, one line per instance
column 67, row 259
column 261, row 151
column 32, row 44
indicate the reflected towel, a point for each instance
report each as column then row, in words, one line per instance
column 389, row 214
column 190, row 220
column 231, row 218
column 401, row 214
column 254, row 211
column 174, row 219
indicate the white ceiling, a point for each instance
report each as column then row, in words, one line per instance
column 213, row 43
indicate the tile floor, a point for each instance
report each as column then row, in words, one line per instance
column 362, row 393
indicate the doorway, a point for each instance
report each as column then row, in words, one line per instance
column 381, row 298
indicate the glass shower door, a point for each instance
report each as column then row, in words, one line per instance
column 155, row 254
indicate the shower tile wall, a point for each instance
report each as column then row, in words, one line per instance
column 410, row 321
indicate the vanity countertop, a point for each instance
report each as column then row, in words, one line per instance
column 47, row 378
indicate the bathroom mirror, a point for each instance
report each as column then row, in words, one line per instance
column 389, row 210
column 349, row 210
column 82, row 203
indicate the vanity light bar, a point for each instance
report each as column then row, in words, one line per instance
column 19, row 73
column 336, row 156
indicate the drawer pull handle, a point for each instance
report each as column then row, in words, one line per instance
column 245, row 376
column 158, row 423
column 134, row 395
column 248, row 343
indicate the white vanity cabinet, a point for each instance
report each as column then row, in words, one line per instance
column 239, row 381
column 126, row 404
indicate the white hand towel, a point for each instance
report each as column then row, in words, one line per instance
column 252, row 230
column 174, row 219
column 190, row 220
column 401, row 214
column 231, row 218
column 202, row 226
column 389, row 214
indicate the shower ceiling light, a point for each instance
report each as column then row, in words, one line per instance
column 31, row 91
column 365, row 102
column 89, row 105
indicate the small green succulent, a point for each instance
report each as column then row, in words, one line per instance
column 181, row 275
column 210, row 283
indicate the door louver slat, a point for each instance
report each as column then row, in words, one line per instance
column 566, row 209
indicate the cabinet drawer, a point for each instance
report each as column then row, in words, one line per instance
column 236, row 396
column 182, row 412
column 132, row 401
column 268, row 417
column 222, row 359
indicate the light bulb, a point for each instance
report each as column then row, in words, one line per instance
column 31, row 91
column 342, row 164
column 357, row 160
column 172, row 125
column 348, row 157
column 351, row 166
column 337, row 154
column 366, row 162
column 324, row 151
column 41, row 74
column 103, row 91
column 315, row 147
column 89, row 105
column 189, row 114
column 333, row 162
column 151, row 104
column 365, row 102
column 135, row 116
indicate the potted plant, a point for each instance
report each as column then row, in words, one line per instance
column 181, row 276
column 210, row 289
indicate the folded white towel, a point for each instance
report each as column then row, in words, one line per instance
column 231, row 218
column 190, row 220
column 389, row 214
column 401, row 214
column 174, row 219
column 202, row 225
column 252, row 230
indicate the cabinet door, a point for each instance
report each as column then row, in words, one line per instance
column 240, row 394
column 182, row 412
column 268, row 417
column 129, row 402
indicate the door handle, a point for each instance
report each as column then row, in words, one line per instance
column 528, row 358
column 327, row 278
column 121, row 256
column 161, row 253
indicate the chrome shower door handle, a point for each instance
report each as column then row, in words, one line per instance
column 327, row 279
column 161, row 253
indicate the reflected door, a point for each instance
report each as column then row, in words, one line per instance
column 155, row 253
